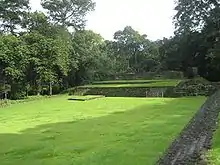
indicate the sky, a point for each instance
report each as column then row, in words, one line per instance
column 151, row 17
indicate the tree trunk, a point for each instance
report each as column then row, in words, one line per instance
column 5, row 92
column 5, row 95
column 38, row 88
column 38, row 91
column 51, row 89
column 128, row 64
column 135, row 59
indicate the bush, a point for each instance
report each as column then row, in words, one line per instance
column 56, row 89
column 196, row 87
column 18, row 91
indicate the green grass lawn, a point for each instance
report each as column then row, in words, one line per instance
column 134, row 83
column 107, row 131
column 214, row 154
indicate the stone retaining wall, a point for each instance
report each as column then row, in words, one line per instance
column 125, row 91
column 196, row 136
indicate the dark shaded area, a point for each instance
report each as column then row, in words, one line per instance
column 86, row 99
column 72, row 99
column 196, row 136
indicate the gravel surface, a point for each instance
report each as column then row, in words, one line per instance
column 196, row 136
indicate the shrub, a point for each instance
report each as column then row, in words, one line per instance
column 196, row 87
column 18, row 91
column 56, row 89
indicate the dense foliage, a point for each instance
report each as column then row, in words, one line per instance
column 45, row 53
column 196, row 41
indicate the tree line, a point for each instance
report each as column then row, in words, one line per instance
column 47, row 52
column 196, row 42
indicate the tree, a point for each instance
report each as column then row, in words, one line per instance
column 12, row 14
column 180, row 52
column 86, row 52
column 46, row 41
column 200, row 18
column 118, row 61
column 36, row 21
column 191, row 14
column 48, row 62
column 128, row 39
column 208, row 55
column 134, row 48
column 13, row 62
column 68, row 13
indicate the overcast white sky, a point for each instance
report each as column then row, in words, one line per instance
column 151, row 17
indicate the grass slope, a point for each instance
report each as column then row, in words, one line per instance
column 214, row 154
column 133, row 83
column 106, row 131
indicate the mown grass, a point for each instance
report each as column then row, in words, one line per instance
column 106, row 131
column 4, row 103
column 134, row 83
column 214, row 154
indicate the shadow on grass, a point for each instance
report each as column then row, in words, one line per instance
column 138, row 136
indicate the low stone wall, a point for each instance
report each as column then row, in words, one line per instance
column 196, row 136
column 125, row 91
column 156, row 92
